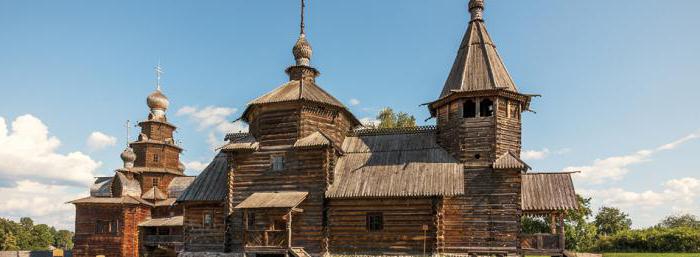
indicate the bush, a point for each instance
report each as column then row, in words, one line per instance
column 681, row 239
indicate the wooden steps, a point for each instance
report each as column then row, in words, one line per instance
column 299, row 252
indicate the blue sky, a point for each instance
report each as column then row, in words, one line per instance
column 618, row 78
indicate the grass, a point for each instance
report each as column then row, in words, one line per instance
column 644, row 255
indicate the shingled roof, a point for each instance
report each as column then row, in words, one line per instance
column 297, row 90
column 477, row 65
column 211, row 184
column 548, row 192
column 409, row 163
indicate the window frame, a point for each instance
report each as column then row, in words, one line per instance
column 484, row 109
column 278, row 165
column 474, row 111
column 208, row 219
column 374, row 221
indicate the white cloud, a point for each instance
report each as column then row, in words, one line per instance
column 98, row 140
column 196, row 166
column 616, row 167
column 354, row 101
column 542, row 154
column 216, row 120
column 45, row 204
column 680, row 194
column 369, row 122
column 29, row 153
column 36, row 180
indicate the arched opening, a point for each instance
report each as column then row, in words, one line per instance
column 486, row 108
column 469, row 109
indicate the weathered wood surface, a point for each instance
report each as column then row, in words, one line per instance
column 487, row 217
column 403, row 232
column 199, row 237
column 123, row 242
column 548, row 192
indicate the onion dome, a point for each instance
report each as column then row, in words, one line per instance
column 157, row 101
column 302, row 51
column 128, row 156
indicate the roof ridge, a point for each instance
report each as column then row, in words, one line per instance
column 390, row 131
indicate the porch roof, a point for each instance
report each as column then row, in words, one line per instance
column 175, row 221
column 273, row 200
column 546, row 192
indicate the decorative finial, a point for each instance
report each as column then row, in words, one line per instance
column 159, row 71
column 301, row 24
column 127, row 132
column 476, row 8
column 302, row 49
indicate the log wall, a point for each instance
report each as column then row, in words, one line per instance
column 508, row 127
column 402, row 233
column 122, row 243
column 197, row 236
column 487, row 218
column 304, row 171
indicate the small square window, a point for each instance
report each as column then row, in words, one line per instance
column 156, row 158
column 375, row 221
column 208, row 220
column 277, row 163
column 155, row 182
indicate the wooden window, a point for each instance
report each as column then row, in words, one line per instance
column 155, row 182
column 469, row 109
column 486, row 108
column 375, row 221
column 156, row 158
column 208, row 219
column 277, row 162
column 105, row 227
column 251, row 220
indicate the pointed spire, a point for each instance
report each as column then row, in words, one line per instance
column 302, row 49
column 476, row 8
column 302, row 53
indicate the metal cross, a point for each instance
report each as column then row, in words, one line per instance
column 159, row 71
column 127, row 132
column 301, row 25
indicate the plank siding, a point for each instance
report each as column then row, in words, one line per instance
column 402, row 233
column 122, row 243
column 304, row 171
column 201, row 238
column 486, row 219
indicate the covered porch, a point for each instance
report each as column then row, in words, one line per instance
column 548, row 196
column 267, row 221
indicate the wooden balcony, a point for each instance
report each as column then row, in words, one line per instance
column 154, row 240
column 545, row 244
column 266, row 238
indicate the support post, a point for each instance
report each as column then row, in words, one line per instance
column 245, row 227
column 562, row 237
column 289, row 230
column 553, row 223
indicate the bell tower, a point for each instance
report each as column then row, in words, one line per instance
column 157, row 155
column 479, row 109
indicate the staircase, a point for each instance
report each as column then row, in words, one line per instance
column 299, row 252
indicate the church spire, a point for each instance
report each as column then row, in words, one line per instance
column 302, row 53
column 157, row 101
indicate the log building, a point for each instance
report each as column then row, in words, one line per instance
column 307, row 180
column 133, row 213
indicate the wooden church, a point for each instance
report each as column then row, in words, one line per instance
column 309, row 180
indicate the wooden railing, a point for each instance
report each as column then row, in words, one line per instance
column 266, row 238
column 540, row 242
column 162, row 239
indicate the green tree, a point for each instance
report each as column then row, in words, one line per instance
column 9, row 242
column 63, row 239
column 610, row 221
column 680, row 221
column 580, row 234
column 389, row 119
column 41, row 238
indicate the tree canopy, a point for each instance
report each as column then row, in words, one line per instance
column 389, row 119
column 25, row 235
column 610, row 221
